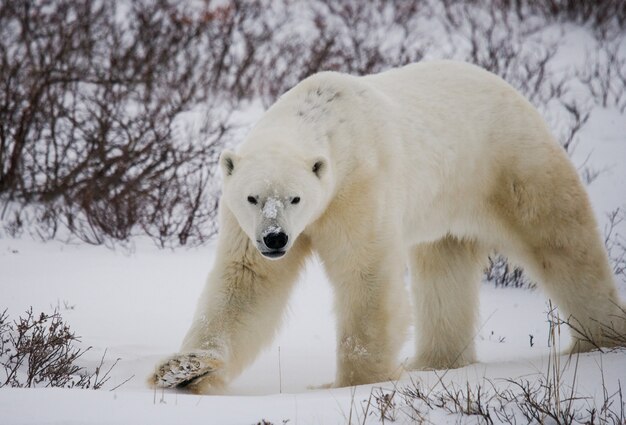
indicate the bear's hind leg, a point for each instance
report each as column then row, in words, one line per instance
column 445, row 279
column 552, row 231
column 580, row 282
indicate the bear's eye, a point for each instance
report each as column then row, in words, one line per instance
column 295, row 200
column 252, row 200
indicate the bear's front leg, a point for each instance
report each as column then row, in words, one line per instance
column 372, row 309
column 238, row 313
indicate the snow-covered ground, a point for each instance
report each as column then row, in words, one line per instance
column 138, row 305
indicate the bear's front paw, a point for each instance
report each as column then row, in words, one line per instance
column 186, row 369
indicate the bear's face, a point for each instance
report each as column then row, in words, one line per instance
column 274, row 197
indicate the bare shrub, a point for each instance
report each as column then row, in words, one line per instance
column 502, row 274
column 349, row 36
column 266, row 422
column 601, row 16
column 385, row 405
column 599, row 13
column 604, row 75
column 39, row 351
column 615, row 243
column 415, row 402
column 493, row 37
column 89, row 106
column 578, row 117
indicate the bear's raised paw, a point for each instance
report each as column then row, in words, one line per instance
column 185, row 369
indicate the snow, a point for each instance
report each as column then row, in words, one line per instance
column 271, row 207
column 137, row 306
column 271, row 230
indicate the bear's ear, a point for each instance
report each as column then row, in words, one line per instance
column 319, row 166
column 227, row 162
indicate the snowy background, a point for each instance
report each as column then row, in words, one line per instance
column 130, row 300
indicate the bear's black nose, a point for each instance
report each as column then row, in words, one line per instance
column 275, row 240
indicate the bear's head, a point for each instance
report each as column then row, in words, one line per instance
column 274, row 196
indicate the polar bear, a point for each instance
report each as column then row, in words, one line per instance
column 433, row 165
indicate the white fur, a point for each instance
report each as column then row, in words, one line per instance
column 431, row 165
